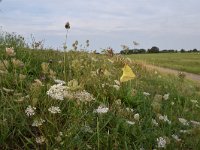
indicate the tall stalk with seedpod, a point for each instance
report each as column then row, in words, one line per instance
column 67, row 26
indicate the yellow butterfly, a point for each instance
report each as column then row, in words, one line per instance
column 127, row 74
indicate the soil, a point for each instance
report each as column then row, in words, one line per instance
column 190, row 76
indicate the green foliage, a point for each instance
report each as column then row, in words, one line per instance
column 77, row 126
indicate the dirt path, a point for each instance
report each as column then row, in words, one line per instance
column 190, row 76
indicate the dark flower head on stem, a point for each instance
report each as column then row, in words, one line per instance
column 67, row 25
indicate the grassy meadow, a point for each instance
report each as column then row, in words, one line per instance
column 75, row 100
column 188, row 62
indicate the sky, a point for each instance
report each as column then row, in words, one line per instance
column 169, row 24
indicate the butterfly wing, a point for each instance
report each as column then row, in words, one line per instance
column 127, row 74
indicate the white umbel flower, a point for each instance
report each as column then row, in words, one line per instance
column 183, row 121
column 164, row 118
column 40, row 139
column 84, row 96
column 57, row 91
column 174, row 136
column 59, row 81
column 130, row 122
column 101, row 110
column 38, row 122
column 161, row 142
column 30, row 111
column 154, row 122
column 146, row 94
column 166, row 96
column 137, row 117
column 54, row 110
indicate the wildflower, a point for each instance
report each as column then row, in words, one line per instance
column 59, row 81
column 84, row 96
column 154, row 122
column 30, row 111
column 10, row 51
column 40, row 139
column 137, row 117
column 176, row 137
column 129, row 109
column 130, row 122
column 67, row 25
column 118, row 102
column 161, row 142
column 166, row 96
column 17, row 63
column 127, row 74
column 186, row 131
column 172, row 103
column 164, row 118
column 54, row 110
column 117, row 82
column 57, row 91
column 38, row 122
column 146, row 94
column 101, row 110
column 195, row 123
column 117, row 87
column 183, row 121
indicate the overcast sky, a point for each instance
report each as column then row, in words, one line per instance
column 169, row 24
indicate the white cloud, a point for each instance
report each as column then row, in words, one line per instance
column 152, row 22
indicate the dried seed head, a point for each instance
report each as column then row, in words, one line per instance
column 67, row 25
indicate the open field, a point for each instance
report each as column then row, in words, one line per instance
column 75, row 100
column 188, row 62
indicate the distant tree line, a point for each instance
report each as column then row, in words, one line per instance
column 155, row 49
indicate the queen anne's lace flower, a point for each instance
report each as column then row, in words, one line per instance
column 54, row 110
column 57, row 91
column 59, row 81
column 130, row 122
column 161, row 142
column 40, row 139
column 101, row 110
column 38, row 122
column 164, row 118
column 166, row 96
column 146, row 94
column 84, row 96
column 183, row 121
column 176, row 137
column 154, row 122
column 30, row 111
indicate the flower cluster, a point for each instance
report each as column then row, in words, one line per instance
column 57, row 91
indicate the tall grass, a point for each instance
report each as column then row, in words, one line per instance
column 78, row 124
